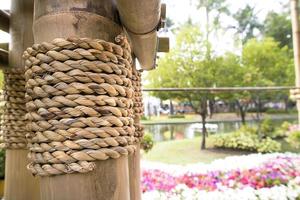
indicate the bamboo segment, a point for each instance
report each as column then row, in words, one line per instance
column 135, row 174
column 109, row 180
column 296, row 45
column 19, row 183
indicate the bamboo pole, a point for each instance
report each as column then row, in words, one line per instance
column 135, row 174
column 134, row 167
column 221, row 89
column 141, row 19
column 93, row 19
column 19, row 183
column 296, row 45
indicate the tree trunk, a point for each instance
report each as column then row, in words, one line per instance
column 258, row 108
column 211, row 104
column 242, row 112
column 296, row 45
column 203, row 117
column 171, row 107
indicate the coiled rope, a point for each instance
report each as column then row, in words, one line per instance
column 138, row 104
column 13, row 121
column 80, row 99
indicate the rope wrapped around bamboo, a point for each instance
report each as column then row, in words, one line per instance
column 80, row 102
column 137, row 103
column 13, row 121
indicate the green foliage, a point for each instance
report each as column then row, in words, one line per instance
column 285, row 126
column 265, row 60
column 147, row 142
column 2, row 163
column 279, row 27
column 280, row 132
column 218, row 6
column 294, row 138
column 248, row 130
column 268, row 145
column 266, row 64
column 246, row 138
column 185, row 66
column 247, row 22
column 267, row 127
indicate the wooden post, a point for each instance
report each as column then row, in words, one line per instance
column 19, row 183
column 135, row 174
column 134, row 159
column 296, row 45
column 93, row 19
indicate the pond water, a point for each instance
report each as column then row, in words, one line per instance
column 164, row 132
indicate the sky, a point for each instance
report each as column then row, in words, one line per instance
column 180, row 10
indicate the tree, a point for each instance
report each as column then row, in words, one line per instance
column 247, row 23
column 210, row 6
column 263, row 63
column 230, row 73
column 267, row 64
column 187, row 66
column 278, row 26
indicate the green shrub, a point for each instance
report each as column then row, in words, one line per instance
column 245, row 141
column 294, row 139
column 147, row 142
column 282, row 131
column 267, row 128
column 268, row 145
column 248, row 130
column 285, row 126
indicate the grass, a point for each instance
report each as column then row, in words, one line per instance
column 188, row 151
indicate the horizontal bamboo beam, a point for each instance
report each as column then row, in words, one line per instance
column 220, row 89
column 3, row 58
column 4, row 21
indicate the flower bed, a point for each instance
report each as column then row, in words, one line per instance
column 254, row 174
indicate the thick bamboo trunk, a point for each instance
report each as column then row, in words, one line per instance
column 93, row 19
column 19, row 183
column 296, row 45
column 109, row 181
column 135, row 174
